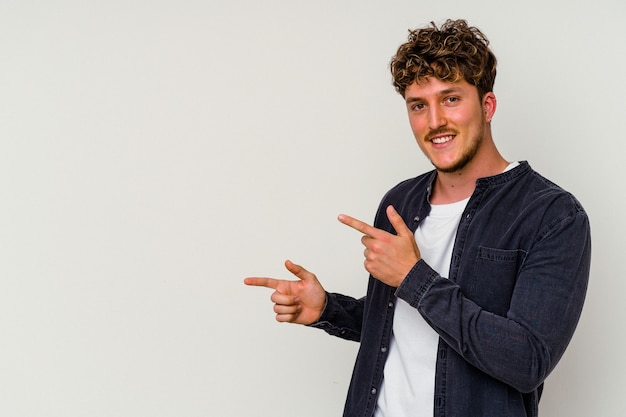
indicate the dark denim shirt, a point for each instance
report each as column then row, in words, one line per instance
column 505, row 315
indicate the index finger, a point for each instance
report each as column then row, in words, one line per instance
column 261, row 282
column 358, row 225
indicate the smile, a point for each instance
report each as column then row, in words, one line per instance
column 442, row 139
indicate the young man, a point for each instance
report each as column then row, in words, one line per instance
column 478, row 269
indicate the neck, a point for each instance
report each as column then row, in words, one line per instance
column 451, row 187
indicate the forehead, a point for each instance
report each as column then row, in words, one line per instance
column 432, row 86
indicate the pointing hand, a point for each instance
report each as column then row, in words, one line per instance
column 388, row 257
column 300, row 301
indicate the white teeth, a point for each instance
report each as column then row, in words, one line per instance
column 443, row 139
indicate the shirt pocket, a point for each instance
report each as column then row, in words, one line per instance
column 494, row 275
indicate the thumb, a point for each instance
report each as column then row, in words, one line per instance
column 398, row 223
column 298, row 271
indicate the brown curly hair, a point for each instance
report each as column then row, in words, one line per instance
column 453, row 52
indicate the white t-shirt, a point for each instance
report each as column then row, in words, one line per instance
column 409, row 375
column 408, row 387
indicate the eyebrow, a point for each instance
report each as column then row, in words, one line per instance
column 444, row 92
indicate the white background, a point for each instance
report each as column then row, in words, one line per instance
column 155, row 153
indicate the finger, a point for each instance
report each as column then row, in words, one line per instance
column 283, row 299
column 397, row 222
column 261, row 282
column 358, row 225
column 298, row 271
column 286, row 318
column 281, row 309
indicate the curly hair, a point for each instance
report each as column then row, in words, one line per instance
column 453, row 52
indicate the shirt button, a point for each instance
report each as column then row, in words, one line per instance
column 373, row 391
column 390, row 304
column 383, row 349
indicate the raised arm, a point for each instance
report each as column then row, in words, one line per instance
column 522, row 346
column 519, row 348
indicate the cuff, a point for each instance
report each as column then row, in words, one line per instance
column 417, row 282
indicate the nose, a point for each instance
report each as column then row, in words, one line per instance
column 436, row 118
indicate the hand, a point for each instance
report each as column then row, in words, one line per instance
column 388, row 257
column 300, row 302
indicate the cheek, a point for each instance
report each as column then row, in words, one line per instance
column 471, row 119
column 464, row 125
column 417, row 126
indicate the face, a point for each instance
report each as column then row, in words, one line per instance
column 449, row 121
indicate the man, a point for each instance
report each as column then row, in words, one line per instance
column 478, row 269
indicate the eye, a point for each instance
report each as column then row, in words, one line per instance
column 417, row 106
column 451, row 100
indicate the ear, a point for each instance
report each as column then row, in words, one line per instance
column 489, row 106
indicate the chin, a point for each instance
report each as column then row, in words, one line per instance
column 459, row 164
column 452, row 167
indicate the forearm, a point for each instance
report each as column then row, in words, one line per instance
column 521, row 348
column 342, row 317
